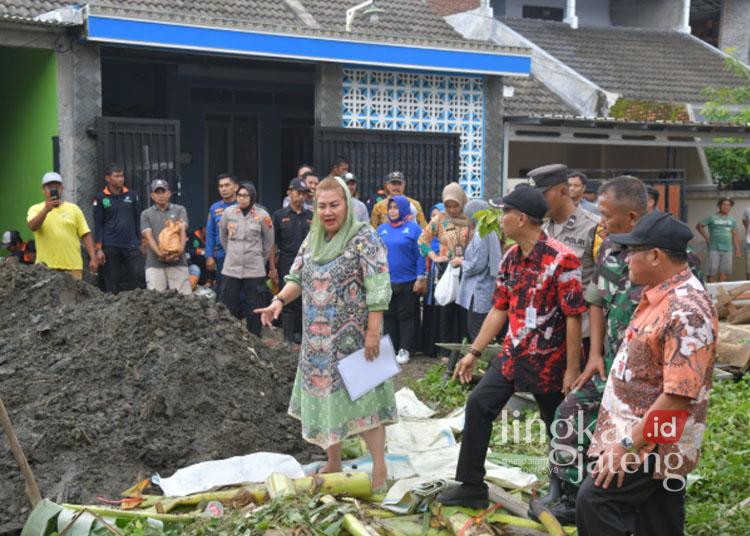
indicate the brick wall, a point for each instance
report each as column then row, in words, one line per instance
column 449, row 7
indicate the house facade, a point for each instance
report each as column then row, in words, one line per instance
column 184, row 93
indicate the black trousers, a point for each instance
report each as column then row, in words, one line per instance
column 453, row 324
column 291, row 314
column 642, row 506
column 400, row 321
column 119, row 263
column 475, row 321
column 482, row 408
column 255, row 292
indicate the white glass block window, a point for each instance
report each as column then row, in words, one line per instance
column 390, row 100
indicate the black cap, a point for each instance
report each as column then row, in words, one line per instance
column 298, row 185
column 530, row 201
column 548, row 176
column 658, row 229
column 592, row 187
column 395, row 176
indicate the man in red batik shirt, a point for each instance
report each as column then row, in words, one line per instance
column 539, row 292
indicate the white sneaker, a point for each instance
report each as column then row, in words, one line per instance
column 402, row 357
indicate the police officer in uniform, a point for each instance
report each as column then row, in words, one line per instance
column 572, row 225
column 291, row 225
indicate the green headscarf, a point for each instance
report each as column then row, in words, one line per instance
column 324, row 251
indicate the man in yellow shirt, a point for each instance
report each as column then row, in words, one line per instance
column 59, row 228
column 395, row 184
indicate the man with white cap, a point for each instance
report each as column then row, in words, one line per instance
column 59, row 227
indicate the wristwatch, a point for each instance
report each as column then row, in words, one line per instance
column 627, row 443
column 279, row 299
column 475, row 352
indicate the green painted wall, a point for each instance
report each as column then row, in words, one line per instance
column 28, row 121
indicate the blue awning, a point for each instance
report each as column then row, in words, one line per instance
column 105, row 29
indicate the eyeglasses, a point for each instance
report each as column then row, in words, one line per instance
column 243, row 195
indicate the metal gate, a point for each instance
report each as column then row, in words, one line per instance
column 428, row 160
column 669, row 182
column 148, row 149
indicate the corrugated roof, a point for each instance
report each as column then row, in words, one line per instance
column 655, row 65
column 531, row 97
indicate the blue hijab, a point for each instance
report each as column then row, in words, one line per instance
column 404, row 210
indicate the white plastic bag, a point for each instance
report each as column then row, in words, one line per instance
column 446, row 290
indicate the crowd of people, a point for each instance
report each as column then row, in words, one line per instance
column 598, row 302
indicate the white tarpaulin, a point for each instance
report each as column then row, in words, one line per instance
column 202, row 476
column 410, row 407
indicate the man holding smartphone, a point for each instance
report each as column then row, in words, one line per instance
column 59, row 227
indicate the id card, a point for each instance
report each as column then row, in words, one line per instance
column 620, row 368
column 531, row 317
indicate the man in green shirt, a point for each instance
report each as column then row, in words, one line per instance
column 722, row 235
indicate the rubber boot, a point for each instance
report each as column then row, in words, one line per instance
column 555, row 489
column 564, row 509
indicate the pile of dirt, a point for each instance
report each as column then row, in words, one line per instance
column 102, row 388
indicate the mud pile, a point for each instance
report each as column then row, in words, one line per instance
column 102, row 388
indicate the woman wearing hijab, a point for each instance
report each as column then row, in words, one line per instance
column 341, row 272
column 479, row 267
column 454, row 232
column 407, row 266
column 246, row 234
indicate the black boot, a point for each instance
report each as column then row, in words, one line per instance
column 468, row 495
column 564, row 508
column 555, row 489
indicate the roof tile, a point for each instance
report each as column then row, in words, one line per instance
column 655, row 65
column 531, row 97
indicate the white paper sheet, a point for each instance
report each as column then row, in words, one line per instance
column 361, row 376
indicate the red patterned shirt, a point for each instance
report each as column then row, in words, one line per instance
column 549, row 281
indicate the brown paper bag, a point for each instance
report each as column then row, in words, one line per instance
column 169, row 238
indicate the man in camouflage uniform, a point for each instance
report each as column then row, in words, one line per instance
column 612, row 299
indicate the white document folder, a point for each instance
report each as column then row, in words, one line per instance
column 361, row 376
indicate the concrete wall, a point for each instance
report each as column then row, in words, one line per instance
column 328, row 92
column 493, row 136
column 734, row 31
column 662, row 14
column 28, row 121
column 79, row 101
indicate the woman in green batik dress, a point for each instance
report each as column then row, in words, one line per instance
column 341, row 272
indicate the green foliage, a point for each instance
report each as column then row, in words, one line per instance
column 442, row 395
column 294, row 512
column 488, row 221
column 729, row 105
column 724, row 465
column 525, row 436
column 643, row 110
